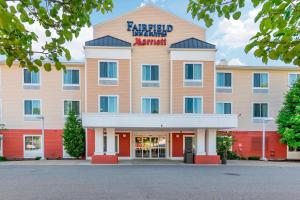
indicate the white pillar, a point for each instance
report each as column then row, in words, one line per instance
column 200, row 144
column 212, row 142
column 98, row 141
column 110, row 138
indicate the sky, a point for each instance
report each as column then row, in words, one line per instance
column 230, row 36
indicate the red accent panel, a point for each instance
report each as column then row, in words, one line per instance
column 124, row 144
column 199, row 159
column 104, row 159
column 249, row 143
column 54, row 144
column 177, row 144
column 90, row 142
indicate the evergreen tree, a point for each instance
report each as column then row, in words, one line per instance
column 74, row 136
column 288, row 119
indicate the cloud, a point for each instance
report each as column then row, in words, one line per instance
column 235, row 61
column 236, row 33
column 158, row 2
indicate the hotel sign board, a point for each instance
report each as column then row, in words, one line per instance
column 157, row 32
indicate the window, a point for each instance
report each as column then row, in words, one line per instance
column 150, row 73
column 223, row 108
column 71, row 77
column 105, row 143
column 260, row 80
column 193, row 104
column 32, row 143
column 31, row 78
column 260, row 110
column 32, row 107
column 73, row 106
column 193, row 72
column 293, row 78
column 109, row 104
column 108, row 70
column 223, row 80
column 150, row 105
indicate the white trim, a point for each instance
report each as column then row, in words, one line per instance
column 103, row 95
column 72, row 101
column 263, row 88
column 260, row 102
column 224, row 87
column 63, row 77
column 215, row 97
column 112, row 79
column 118, row 142
column 30, row 154
column 107, row 53
column 171, row 86
column 130, row 85
column 31, row 84
column 176, row 158
column 193, row 55
column 201, row 97
column 150, row 97
column 194, row 80
column 292, row 73
column 1, row 145
column 41, row 106
column 183, row 141
column 150, row 81
column 231, row 107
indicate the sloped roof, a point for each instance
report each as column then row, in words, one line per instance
column 193, row 43
column 108, row 41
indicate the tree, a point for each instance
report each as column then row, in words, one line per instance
column 288, row 119
column 61, row 20
column 279, row 21
column 74, row 136
column 224, row 144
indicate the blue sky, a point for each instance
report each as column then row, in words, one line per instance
column 230, row 36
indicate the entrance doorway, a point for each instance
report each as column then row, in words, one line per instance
column 150, row 147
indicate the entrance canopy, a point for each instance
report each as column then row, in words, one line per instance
column 159, row 121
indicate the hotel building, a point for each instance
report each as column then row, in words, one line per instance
column 149, row 88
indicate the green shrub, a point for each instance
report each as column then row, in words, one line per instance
column 38, row 158
column 243, row 158
column 254, row 158
column 2, row 158
column 232, row 156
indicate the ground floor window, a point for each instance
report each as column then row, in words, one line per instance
column 116, row 143
column 150, row 147
column 32, row 145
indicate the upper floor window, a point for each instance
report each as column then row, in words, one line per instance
column 32, row 107
column 193, row 104
column 260, row 110
column 150, row 75
column 193, row 72
column 108, row 70
column 71, row 77
column 261, row 80
column 223, row 108
column 224, row 80
column 31, row 78
column 73, row 106
column 150, row 105
column 108, row 104
column 293, row 78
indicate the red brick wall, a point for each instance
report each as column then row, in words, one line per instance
column 249, row 143
column 13, row 142
column 177, row 144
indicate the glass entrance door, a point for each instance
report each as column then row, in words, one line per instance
column 150, row 147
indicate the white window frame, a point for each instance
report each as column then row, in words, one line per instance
column 113, row 79
column 71, row 68
column 142, row 81
column 261, row 88
column 118, row 142
column 293, row 73
column 1, row 145
column 193, row 80
column 146, row 97
column 260, row 103
column 201, row 97
column 224, row 87
column 70, row 100
column 223, row 104
column 41, row 106
column 34, row 153
column 31, row 84
column 99, row 104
